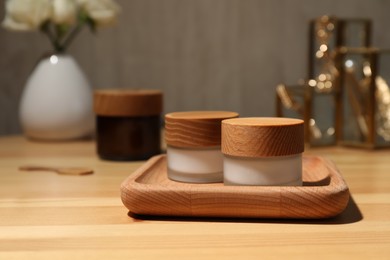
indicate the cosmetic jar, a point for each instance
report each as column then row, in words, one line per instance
column 194, row 145
column 128, row 123
column 262, row 151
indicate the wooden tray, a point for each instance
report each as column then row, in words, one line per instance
column 148, row 191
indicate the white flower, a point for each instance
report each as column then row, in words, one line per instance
column 102, row 12
column 64, row 11
column 60, row 20
column 26, row 15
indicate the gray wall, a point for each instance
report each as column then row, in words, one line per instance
column 204, row 54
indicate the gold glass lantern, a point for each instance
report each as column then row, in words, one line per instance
column 365, row 97
column 327, row 35
column 318, row 99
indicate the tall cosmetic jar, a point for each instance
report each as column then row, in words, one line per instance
column 194, row 145
column 128, row 123
column 263, row 151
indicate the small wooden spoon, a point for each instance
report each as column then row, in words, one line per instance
column 59, row 170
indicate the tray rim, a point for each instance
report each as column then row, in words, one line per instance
column 337, row 187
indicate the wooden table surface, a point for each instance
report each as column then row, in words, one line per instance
column 44, row 215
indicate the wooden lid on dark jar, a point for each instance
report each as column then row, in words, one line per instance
column 195, row 129
column 258, row 137
column 128, row 102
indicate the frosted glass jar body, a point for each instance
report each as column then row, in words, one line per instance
column 265, row 171
column 195, row 165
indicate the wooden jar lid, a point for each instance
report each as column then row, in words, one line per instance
column 128, row 102
column 195, row 129
column 262, row 137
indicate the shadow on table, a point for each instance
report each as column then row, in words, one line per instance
column 351, row 214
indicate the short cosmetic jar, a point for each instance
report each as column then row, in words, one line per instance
column 262, row 151
column 194, row 145
column 128, row 123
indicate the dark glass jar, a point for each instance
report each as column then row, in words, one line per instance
column 128, row 124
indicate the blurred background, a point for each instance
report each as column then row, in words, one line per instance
column 204, row 55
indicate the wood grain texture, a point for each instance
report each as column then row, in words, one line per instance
column 149, row 192
column 262, row 137
column 128, row 102
column 195, row 129
column 50, row 216
column 214, row 55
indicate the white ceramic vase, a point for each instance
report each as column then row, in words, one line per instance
column 56, row 103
